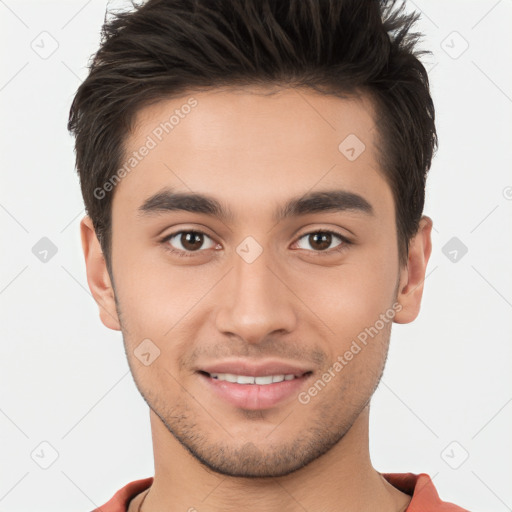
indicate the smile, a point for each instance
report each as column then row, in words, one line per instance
column 253, row 392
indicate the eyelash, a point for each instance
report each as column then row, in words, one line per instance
column 187, row 254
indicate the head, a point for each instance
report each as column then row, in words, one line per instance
column 254, row 180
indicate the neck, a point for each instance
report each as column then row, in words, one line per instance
column 341, row 479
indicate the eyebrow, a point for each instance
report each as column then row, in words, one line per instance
column 167, row 200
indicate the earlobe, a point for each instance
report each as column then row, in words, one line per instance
column 412, row 276
column 97, row 275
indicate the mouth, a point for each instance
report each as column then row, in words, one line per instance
column 254, row 392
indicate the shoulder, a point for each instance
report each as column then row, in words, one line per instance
column 121, row 499
column 424, row 494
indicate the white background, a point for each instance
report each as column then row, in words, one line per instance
column 64, row 378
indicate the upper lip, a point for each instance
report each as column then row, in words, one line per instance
column 255, row 369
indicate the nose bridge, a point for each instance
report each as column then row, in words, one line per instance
column 256, row 302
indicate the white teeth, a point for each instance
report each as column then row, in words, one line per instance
column 268, row 379
column 247, row 379
column 244, row 379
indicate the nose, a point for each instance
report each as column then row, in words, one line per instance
column 255, row 301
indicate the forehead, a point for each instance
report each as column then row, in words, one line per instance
column 250, row 144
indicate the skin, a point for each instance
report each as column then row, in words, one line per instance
column 253, row 151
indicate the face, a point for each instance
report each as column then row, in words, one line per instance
column 281, row 270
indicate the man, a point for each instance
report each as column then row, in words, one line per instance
column 254, row 178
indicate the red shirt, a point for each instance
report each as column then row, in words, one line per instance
column 420, row 487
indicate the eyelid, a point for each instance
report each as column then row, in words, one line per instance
column 332, row 231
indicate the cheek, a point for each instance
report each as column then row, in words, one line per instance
column 164, row 305
column 353, row 297
column 351, row 303
column 157, row 294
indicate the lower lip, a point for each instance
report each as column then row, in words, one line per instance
column 254, row 396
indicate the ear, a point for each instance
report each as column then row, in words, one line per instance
column 412, row 276
column 97, row 275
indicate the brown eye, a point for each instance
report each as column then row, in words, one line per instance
column 189, row 241
column 321, row 241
